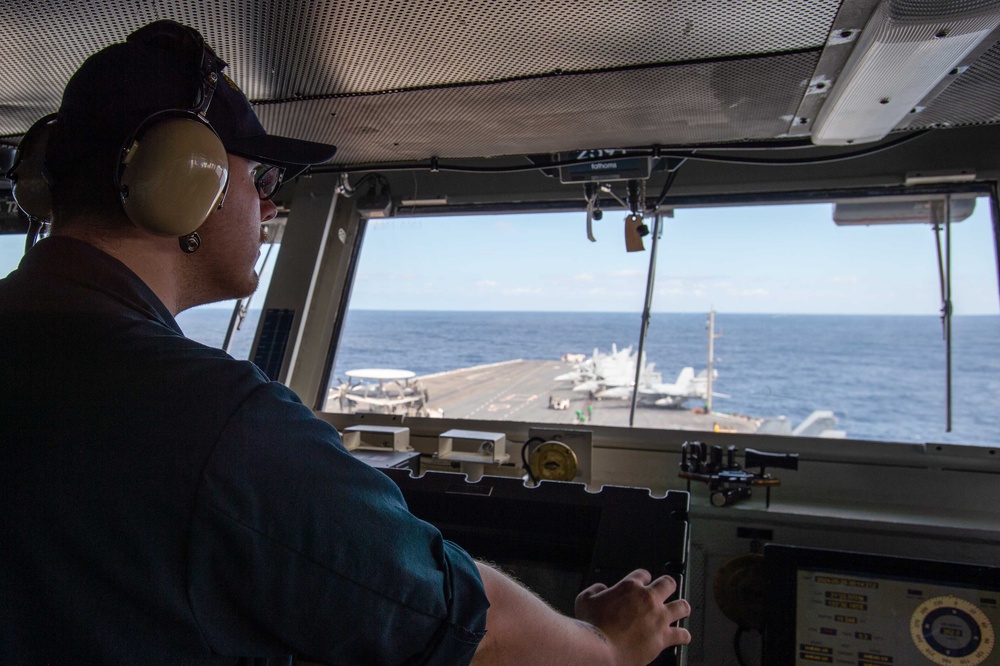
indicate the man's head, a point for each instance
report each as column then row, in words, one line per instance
column 116, row 148
column 134, row 127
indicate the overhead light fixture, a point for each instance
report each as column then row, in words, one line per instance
column 377, row 201
column 375, row 205
column 939, row 177
column 915, row 209
column 902, row 54
column 433, row 201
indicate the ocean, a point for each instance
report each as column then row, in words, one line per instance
column 883, row 376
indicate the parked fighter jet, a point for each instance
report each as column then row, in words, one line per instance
column 612, row 376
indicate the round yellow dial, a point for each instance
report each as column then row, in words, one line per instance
column 952, row 632
column 554, row 461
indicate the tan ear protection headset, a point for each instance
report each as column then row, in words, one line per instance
column 172, row 173
column 174, row 170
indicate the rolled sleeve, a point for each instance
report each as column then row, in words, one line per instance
column 297, row 547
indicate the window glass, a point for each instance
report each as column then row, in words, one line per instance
column 208, row 325
column 819, row 329
column 11, row 251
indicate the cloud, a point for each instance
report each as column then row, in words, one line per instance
column 584, row 277
column 486, row 284
column 675, row 287
column 844, row 279
column 627, row 273
column 516, row 291
column 751, row 293
column 616, row 292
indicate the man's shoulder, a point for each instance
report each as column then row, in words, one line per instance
column 205, row 368
column 18, row 289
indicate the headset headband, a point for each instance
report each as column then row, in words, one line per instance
column 209, row 79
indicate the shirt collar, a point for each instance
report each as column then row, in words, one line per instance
column 80, row 262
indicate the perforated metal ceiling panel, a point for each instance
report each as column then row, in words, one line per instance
column 372, row 45
column 705, row 102
column 973, row 99
column 45, row 42
column 908, row 10
column 410, row 79
column 286, row 50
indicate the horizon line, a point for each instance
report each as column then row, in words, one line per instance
column 213, row 306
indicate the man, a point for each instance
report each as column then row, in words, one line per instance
column 161, row 502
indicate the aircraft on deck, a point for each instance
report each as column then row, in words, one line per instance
column 382, row 391
column 599, row 370
column 688, row 386
column 612, row 377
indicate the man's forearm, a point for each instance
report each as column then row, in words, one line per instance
column 523, row 629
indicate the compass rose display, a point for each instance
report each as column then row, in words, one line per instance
column 952, row 632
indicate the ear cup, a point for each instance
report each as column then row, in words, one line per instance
column 173, row 175
column 28, row 183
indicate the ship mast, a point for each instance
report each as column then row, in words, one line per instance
column 711, row 360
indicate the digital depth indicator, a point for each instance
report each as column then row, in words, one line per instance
column 607, row 166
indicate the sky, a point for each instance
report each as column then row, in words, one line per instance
column 774, row 259
column 765, row 259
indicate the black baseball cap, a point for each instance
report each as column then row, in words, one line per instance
column 164, row 66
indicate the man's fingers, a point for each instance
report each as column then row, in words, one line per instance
column 594, row 589
column 677, row 610
column 678, row 636
column 640, row 576
column 663, row 587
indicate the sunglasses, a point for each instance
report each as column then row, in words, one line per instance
column 267, row 180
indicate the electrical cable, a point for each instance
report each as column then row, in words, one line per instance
column 944, row 276
column 35, row 227
column 344, row 187
column 347, row 190
column 644, row 324
column 948, row 310
column 825, row 159
column 671, row 175
column 524, row 458
column 995, row 218
column 607, row 190
column 434, row 165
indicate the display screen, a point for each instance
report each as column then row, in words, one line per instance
column 850, row 618
column 833, row 607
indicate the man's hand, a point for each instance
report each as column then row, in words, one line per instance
column 624, row 625
column 633, row 616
